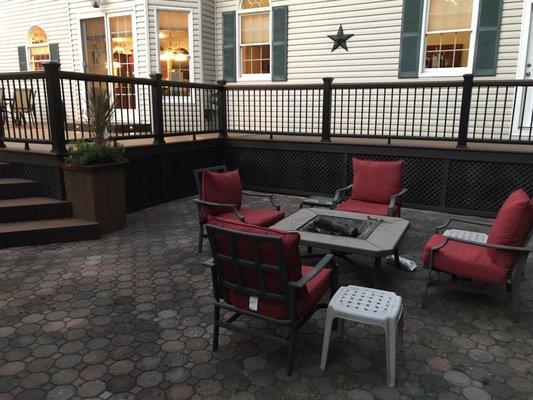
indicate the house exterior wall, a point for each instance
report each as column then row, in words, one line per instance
column 374, row 48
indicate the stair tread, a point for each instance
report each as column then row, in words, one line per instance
column 9, row 181
column 44, row 224
column 29, row 201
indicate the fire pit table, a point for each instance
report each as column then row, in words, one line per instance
column 343, row 233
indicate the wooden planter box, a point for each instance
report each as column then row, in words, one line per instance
column 97, row 193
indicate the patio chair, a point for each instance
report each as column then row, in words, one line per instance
column 493, row 265
column 23, row 104
column 220, row 194
column 376, row 189
column 257, row 273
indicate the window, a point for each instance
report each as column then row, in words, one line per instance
column 38, row 49
column 254, row 43
column 449, row 36
column 94, row 46
column 174, row 48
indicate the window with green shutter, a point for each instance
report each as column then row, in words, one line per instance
column 410, row 38
column 280, row 27
column 488, row 37
column 229, row 46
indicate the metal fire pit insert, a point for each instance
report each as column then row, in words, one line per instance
column 339, row 226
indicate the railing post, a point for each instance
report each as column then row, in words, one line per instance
column 222, row 118
column 326, row 110
column 56, row 120
column 157, row 109
column 2, row 132
column 466, row 99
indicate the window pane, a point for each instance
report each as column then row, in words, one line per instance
column 174, row 52
column 449, row 15
column 447, row 50
column 255, row 3
column 37, row 56
column 94, row 46
column 122, row 59
column 255, row 28
column 255, row 59
column 37, row 36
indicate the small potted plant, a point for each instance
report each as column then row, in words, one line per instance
column 94, row 169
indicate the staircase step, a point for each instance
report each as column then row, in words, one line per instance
column 15, row 188
column 46, row 231
column 7, row 170
column 33, row 208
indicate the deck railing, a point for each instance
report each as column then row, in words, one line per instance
column 51, row 106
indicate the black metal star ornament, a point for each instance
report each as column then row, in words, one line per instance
column 340, row 39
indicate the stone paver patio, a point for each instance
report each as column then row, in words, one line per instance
column 129, row 317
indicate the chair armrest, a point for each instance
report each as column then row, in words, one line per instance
column 520, row 249
column 300, row 283
column 265, row 195
column 438, row 228
column 233, row 207
column 340, row 195
column 394, row 199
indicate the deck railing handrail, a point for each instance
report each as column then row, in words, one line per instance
column 50, row 107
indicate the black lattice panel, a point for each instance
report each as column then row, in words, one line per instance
column 50, row 178
column 298, row 171
column 423, row 177
column 143, row 181
column 478, row 185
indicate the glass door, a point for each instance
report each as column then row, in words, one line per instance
column 122, row 60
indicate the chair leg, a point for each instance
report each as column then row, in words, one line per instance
column 292, row 335
column 200, row 237
column 400, row 330
column 390, row 337
column 396, row 258
column 216, row 322
column 325, row 342
column 340, row 327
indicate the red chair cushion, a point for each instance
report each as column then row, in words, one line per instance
column 220, row 187
column 376, row 181
column 511, row 227
column 256, row 216
column 267, row 252
column 364, row 207
column 464, row 260
column 315, row 289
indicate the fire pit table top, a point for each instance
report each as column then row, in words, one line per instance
column 381, row 240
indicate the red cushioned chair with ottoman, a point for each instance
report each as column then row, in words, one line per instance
column 220, row 194
column 376, row 189
column 485, row 266
column 257, row 272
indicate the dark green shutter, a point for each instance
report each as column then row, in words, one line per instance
column 229, row 46
column 488, row 37
column 280, row 27
column 23, row 63
column 410, row 38
column 54, row 52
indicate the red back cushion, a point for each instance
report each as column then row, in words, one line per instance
column 220, row 187
column 267, row 251
column 376, row 181
column 511, row 226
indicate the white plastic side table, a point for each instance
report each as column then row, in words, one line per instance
column 367, row 306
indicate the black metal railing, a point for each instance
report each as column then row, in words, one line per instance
column 51, row 107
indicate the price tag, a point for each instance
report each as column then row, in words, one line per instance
column 253, row 303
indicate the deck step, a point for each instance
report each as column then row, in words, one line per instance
column 15, row 188
column 7, row 170
column 46, row 231
column 33, row 208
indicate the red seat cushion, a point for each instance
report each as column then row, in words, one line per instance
column 220, row 187
column 267, row 252
column 315, row 289
column 256, row 216
column 364, row 207
column 376, row 181
column 464, row 260
column 511, row 227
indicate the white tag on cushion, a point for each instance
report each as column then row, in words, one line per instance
column 253, row 303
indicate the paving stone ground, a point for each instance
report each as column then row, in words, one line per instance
column 129, row 317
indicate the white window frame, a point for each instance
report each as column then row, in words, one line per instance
column 29, row 64
column 191, row 48
column 240, row 11
column 446, row 72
